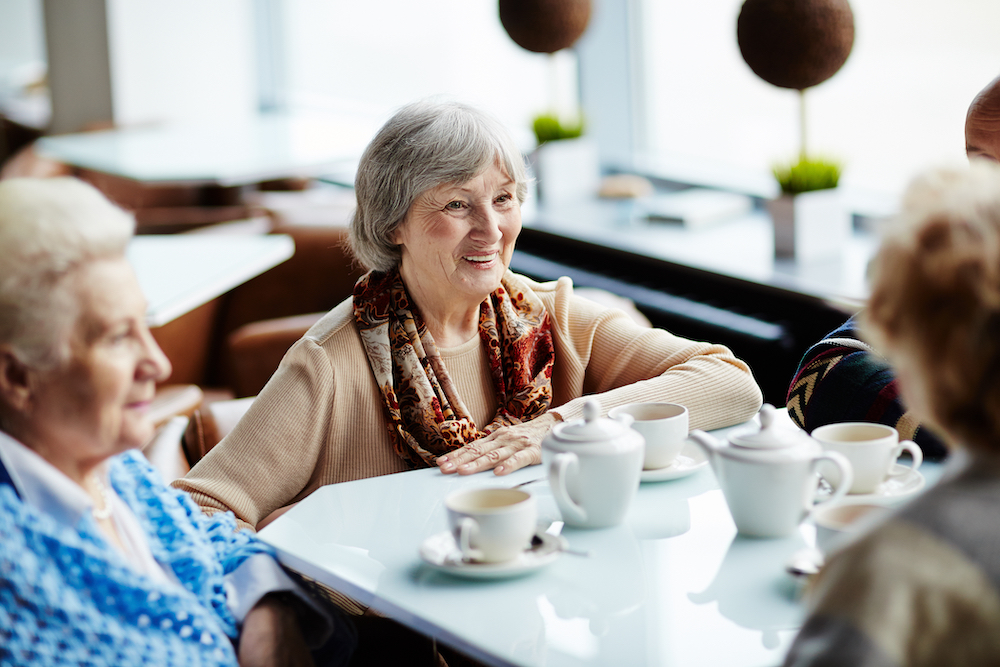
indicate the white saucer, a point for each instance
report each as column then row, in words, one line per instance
column 440, row 552
column 691, row 459
column 894, row 489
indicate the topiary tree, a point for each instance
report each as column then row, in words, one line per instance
column 796, row 44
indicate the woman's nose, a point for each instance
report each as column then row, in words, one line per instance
column 154, row 364
column 487, row 227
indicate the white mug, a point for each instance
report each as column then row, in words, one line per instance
column 492, row 525
column 872, row 450
column 664, row 426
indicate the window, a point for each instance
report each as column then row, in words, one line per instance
column 373, row 57
column 897, row 105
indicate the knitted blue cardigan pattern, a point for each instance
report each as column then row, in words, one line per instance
column 67, row 597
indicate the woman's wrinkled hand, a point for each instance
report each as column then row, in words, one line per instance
column 505, row 450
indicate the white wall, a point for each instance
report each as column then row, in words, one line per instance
column 135, row 62
column 181, row 60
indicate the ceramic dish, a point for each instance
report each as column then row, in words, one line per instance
column 896, row 489
column 690, row 460
column 440, row 552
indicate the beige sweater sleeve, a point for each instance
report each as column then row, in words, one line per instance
column 602, row 352
column 320, row 419
column 270, row 456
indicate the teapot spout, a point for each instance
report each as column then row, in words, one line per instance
column 709, row 444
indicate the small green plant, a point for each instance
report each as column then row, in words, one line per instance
column 548, row 127
column 807, row 174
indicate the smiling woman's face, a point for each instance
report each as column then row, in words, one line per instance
column 93, row 404
column 457, row 240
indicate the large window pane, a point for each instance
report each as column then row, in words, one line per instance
column 375, row 56
column 897, row 105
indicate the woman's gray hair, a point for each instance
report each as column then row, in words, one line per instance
column 49, row 227
column 424, row 145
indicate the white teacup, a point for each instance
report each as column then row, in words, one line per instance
column 664, row 426
column 838, row 524
column 872, row 450
column 492, row 525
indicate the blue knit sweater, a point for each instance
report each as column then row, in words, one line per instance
column 68, row 597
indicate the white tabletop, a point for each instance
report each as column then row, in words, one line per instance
column 180, row 272
column 674, row 585
column 238, row 152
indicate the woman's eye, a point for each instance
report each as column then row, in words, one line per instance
column 503, row 199
column 454, row 205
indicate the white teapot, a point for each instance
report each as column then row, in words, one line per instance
column 769, row 476
column 594, row 467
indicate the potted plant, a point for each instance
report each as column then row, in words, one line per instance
column 565, row 161
column 798, row 45
column 809, row 218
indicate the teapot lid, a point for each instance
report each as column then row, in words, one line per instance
column 770, row 436
column 593, row 427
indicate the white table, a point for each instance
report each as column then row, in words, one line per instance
column 674, row 585
column 178, row 273
column 242, row 151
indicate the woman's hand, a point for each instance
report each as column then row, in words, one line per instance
column 271, row 636
column 505, row 450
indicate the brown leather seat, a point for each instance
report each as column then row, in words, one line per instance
column 255, row 350
column 209, row 424
column 170, row 410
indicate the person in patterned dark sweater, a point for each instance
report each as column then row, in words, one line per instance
column 841, row 378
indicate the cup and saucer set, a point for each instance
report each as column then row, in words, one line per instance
column 594, row 466
column 494, row 535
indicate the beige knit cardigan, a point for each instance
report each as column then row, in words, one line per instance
column 320, row 419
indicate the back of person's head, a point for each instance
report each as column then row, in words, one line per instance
column 48, row 228
column 982, row 124
column 935, row 301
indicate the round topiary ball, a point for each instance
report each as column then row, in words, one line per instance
column 544, row 26
column 795, row 43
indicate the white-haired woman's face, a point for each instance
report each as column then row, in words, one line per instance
column 457, row 240
column 93, row 404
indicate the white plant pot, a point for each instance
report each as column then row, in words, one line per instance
column 810, row 225
column 566, row 170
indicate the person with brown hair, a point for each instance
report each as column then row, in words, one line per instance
column 923, row 588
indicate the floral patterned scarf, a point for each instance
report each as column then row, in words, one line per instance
column 425, row 413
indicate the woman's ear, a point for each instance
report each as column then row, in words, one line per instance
column 15, row 380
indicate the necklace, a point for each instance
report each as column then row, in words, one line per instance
column 104, row 512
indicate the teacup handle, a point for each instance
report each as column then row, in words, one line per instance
column 467, row 529
column 846, row 476
column 915, row 452
column 558, row 470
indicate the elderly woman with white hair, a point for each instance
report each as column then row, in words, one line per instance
column 443, row 356
column 924, row 587
column 100, row 562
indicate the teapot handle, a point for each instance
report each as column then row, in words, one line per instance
column 846, row 477
column 557, row 483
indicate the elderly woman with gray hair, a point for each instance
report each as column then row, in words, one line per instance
column 100, row 562
column 443, row 356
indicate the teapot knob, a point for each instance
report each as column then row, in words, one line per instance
column 591, row 410
column 766, row 416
